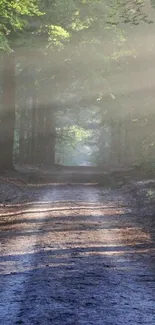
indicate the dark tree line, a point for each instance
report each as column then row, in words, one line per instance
column 53, row 67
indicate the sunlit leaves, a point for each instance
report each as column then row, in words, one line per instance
column 57, row 36
column 13, row 18
column 68, row 17
column 4, row 43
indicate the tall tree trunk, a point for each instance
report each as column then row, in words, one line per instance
column 50, row 136
column 41, row 128
column 128, row 143
column 22, row 135
column 28, row 131
column 7, row 119
column 115, row 143
column 34, row 130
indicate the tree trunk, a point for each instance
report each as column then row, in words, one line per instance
column 115, row 143
column 7, row 119
column 50, row 137
column 22, row 135
column 41, row 128
column 128, row 143
column 34, row 131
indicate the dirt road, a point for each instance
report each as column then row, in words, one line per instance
column 76, row 255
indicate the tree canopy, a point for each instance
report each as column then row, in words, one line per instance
column 63, row 21
column 74, row 54
column 14, row 18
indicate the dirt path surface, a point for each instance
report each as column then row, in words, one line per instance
column 76, row 255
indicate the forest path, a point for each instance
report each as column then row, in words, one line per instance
column 75, row 255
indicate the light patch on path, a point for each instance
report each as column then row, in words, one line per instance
column 17, row 261
column 80, row 259
column 13, row 274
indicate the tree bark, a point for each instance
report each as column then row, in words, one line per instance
column 7, row 118
column 115, row 143
column 34, row 131
column 41, row 128
column 22, row 135
column 50, row 137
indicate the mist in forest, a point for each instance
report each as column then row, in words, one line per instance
column 83, row 95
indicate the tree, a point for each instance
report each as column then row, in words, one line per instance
column 70, row 39
column 13, row 19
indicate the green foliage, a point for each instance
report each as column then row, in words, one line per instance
column 14, row 18
column 63, row 21
column 150, row 193
column 57, row 36
column 72, row 147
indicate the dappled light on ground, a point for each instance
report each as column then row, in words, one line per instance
column 72, row 251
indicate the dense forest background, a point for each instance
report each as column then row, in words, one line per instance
column 77, row 83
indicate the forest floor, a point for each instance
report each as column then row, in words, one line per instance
column 76, row 254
